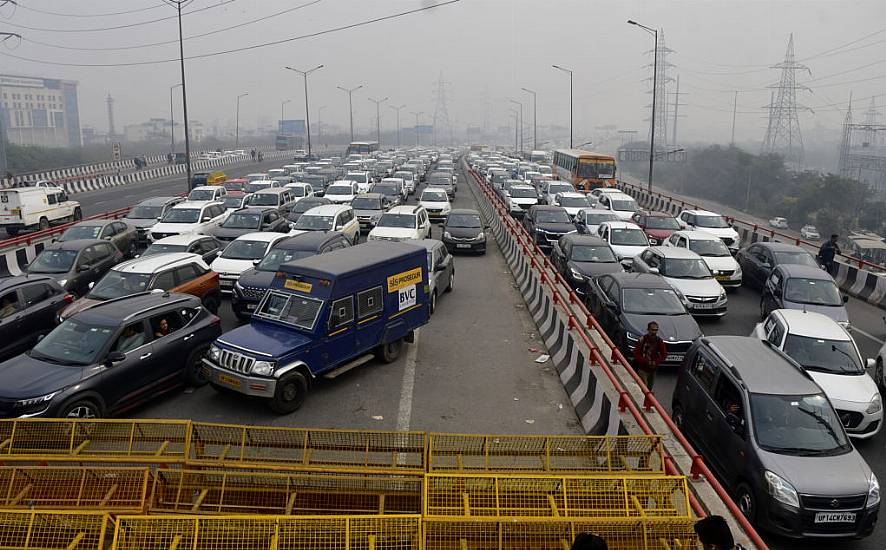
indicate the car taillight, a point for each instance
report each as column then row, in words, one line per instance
column 69, row 298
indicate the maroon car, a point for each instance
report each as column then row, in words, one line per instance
column 658, row 226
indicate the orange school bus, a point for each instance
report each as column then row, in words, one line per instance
column 585, row 170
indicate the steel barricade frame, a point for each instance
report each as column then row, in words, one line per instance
column 54, row 530
column 112, row 489
column 589, row 455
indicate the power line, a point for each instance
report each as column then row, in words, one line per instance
column 235, row 50
column 167, row 42
column 126, row 12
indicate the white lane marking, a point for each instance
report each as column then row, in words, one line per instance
column 404, row 412
column 863, row 333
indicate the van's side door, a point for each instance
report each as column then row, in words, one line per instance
column 340, row 332
column 730, row 443
column 370, row 323
column 698, row 402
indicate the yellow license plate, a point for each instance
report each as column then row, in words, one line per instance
column 722, row 277
column 229, row 380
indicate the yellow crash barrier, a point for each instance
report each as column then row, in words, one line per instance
column 627, row 454
column 117, row 490
column 54, row 530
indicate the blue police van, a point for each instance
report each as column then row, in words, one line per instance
column 323, row 316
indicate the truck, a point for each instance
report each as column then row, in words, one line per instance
column 28, row 208
column 323, row 316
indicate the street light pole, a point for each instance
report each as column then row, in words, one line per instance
column 565, row 70
column 181, row 57
column 397, row 108
column 418, row 114
column 172, row 118
column 534, row 118
column 307, row 112
column 654, row 33
column 320, row 124
column 521, row 123
column 516, row 126
column 237, row 124
column 282, row 103
column 350, row 92
column 378, row 118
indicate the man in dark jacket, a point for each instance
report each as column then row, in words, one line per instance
column 826, row 254
column 649, row 353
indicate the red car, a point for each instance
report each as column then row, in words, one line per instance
column 658, row 226
column 235, row 186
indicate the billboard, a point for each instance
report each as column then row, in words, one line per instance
column 292, row 127
column 424, row 129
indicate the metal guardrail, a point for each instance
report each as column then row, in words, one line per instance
column 54, row 530
column 45, row 234
column 116, row 490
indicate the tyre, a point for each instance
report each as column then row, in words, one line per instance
column 78, row 215
column 211, row 302
column 80, row 407
column 746, row 501
column 290, row 394
column 389, row 352
column 193, row 372
column 44, row 224
column 433, row 302
column 451, row 282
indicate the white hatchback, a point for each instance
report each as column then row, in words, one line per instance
column 626, row 239
column 711, row 222
column 342, row 191
column 688, row 275
column 241, row 254
column 329, row 217
column 437, row 204
column 189, row 217
column 714, row 253
column 402, row 223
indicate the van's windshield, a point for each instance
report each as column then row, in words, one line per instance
column 291, row 309
column 799, row 425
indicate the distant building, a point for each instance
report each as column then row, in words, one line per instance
column 40, row 111
column 157, row 129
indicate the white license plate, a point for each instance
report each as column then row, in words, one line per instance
column 835, row 517
column 710, row 305
column 675, row 358
column 462, row 245
column 223, row 282
column 250, row 307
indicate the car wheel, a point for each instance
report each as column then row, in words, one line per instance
column 746, row 501
column 290, row 394
column 194, row 373
column 451, row 282
column 878, row 373
column 80, row 408
column 44, row 224
column 389, row 352
column 78, row 215
column 211, row 303
column 433, row 305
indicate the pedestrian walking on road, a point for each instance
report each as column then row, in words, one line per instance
column 261, row 157
column 714, row 534
column 829, row 249
column 253, row 154
column 649, row 353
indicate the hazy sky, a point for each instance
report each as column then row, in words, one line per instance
column 486, row 49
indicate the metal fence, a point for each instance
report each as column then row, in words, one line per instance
column 51, row 530
column 117, row 490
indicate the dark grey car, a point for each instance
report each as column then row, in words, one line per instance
column 249, row 220
column 75, row 264
column 769, row 433
column 759, row 259
column 441, row 268
column 148, row 212
column 464, row 231
column 805, row 288
column 29, row 305
column 121, row 234
column 368, row 208
column 580, row 258
column 304, row 205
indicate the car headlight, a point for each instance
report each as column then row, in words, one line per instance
column 873, row 491
column 682, row 297
column 876, row 405
column 35, row 401
column 632, row 337
column 480, row 236
column 447, row 235
column 62, row 282
column 737, row 273
column 263, row 368
column 214, row 353
column 576, row 275
column 784, row 492
column 722, row 296
column 652, row 240
column 237, row 285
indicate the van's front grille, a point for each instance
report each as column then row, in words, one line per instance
column 234, row 361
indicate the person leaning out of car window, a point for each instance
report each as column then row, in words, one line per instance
column 649, row 353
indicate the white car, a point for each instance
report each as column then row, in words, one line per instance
column 778, row 222
column 241, row 254
column 712, row 223
column 573, row 202
column 277, row 172
column 329, row 217
column 554, row 188
column 402, row 223
column 342, row 191
column 625, row 238
column 521, row 198
column 408, row 177
column 588, row 221
column 189, row 217
column 600, row 191
column 713, row 251
column 688, row 275
column 622, row 205
column 831, row 357
column 437, row 204
column 300, row 190
column 810, row 232
column 363, row 180
column 404, row 190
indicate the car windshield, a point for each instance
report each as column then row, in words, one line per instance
column 314, row 223
column 387, row 190
column 397, row 220
column 339, row 190
column 201, row 195
column 835, row 356
column 555, row 188
column 685, row 268
column 464, row 220
column 575, row 202
column 629, row 236
column 800, row 257
column 182, row 215
column 819, row 292
column 652, row 301
column 519, row 193
column 712, row 248
column 232, row 202
column 245, row 250
column 366, row 203
column 159, row 248
column 233, row 186
column 597, row 254
column 434, row 196
column 404, row 175
column 292, row 309
column 298, row 190
column 662, row 222
column 552, row 216
column 596, row 218
column 359, row 177
column 264, row 199
column 242, row 220
column 81, row 232
column 276, row 258
column 800, row 425
column 714, row 222
column 624, row 205
column 117, row 283
column 145, row 213
column 73, row 343
column 254, row 186
column 53, row 261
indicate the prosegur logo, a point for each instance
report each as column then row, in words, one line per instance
column 404, row 279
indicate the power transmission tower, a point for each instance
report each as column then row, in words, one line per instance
column 846, row 142
column 870, row 120
column 677, row 105
column 783, row 131
column 441, row 113
column 111, row 131
column 661, row 89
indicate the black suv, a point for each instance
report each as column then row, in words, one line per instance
column 110, row 358
column 29, row 305
column 546, row 224
column 75, row 264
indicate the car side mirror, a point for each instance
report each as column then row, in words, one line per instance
column 116, row 357
column 653, row 270
column 91, row 284
column 85, row 267
column 42, row 336
column 256, row 261
column 870, row 364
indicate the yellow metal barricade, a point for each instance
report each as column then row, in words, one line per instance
column 232, row 446
column 314, row 493
column 73, row 440
column 117, row 490
column 627, row 454
column 268, row 532
column 625, row 534
column 54, row 530
column 527, row 496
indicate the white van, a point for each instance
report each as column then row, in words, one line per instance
column 36, row 208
